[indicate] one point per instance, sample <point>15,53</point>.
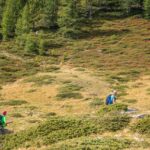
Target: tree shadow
<point>103,33</point>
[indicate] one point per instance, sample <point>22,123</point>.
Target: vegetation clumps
<point>94,143</point>
<point>69,91</point>
<point>142,126</point>
<point>96,102</point>
<point>41,80</point>
<point>57,129</point>
<point>113,108</point>
<point>13,102</point>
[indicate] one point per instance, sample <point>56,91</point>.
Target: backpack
<point>108,99</point>
<point>1,117</point>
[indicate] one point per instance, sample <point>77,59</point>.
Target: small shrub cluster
<point>69,91</point>
<point>96,102</point>
<point>34,43</point>
<point>59,128</point>
<point>113,108</point>
<point>52,69</point>
<point>17,115</point>
<point>41,80</point>
<point>130,101</point>
<point>94,143</point>
<point>142,126</point>
<point>13,102</point>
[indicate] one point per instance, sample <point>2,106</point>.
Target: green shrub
<point>60,128</point>
<point>41,80</point>
<point>93,144</point>
<point>31,46</point>
<point>113,108</point>
<point>42,47</point>
<point>69,95</point>
<point>147,8</point>
<point>17,115</point>
<point>142,126</point>
<point>14,102</point>
<point>52,69</point>
<point>96,102</point>
<point>130,101</point>
<point>69,91</point>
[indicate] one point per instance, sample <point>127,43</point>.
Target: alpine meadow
<point>74,74</point>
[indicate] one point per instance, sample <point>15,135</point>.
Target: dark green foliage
<point>142,126</point>
<point>69,91</point>
<point>113,108</point>
<point>17,115</point>
<point>22,16</point>
<point>10,16</point>
<point>94,143</point>
<point>13,102</point>
<point>31,46</point>
<point>96,102</point>
<point>147,8</point>
<point>2,5</point>
<point>57,129</point>
<point>41,80</point>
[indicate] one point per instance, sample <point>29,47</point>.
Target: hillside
<point>54,100</point>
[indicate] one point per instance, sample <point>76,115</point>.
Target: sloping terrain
<point>55,101</point>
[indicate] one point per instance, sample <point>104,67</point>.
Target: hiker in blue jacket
<point>111,98</point>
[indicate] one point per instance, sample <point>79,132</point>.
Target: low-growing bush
<point>142,126</point>
<point>60,128</point>
<point>69,91</point>
<point>113,108</point>
<point>13,102</point>
<point>69,95</point>
<point>41,80</point>
<point>17,115</point>
<point>96,102</point>
<point>93,144</point>
<point>130,101</point>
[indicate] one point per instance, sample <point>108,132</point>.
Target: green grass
<point>148,91</point>
<point>131,101</point>
<point>94,143</point>
<point>13,103</point>
<point>69,91</point>
<point>113,108</point>
<point>51,69</point>
<point>17,115</point>
<point>142,126</point>
<point>61,128</point>
<point>96,102</point>
<point>41,80</point>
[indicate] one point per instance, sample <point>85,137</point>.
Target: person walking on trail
<point>111,98</point>
<point>3,122</point>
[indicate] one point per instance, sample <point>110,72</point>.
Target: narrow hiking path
<point>44,96</point>
<point>42,99</point>
<point>12,56</point>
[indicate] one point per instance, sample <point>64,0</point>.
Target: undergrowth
<point>60,128</point>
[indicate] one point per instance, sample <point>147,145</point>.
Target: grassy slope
<point>118,50</point>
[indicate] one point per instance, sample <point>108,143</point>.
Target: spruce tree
<point>23,23</point>
<point>10,16</point>
<point>147,8</point>
<point>2,5</point>
<point>51,12</point>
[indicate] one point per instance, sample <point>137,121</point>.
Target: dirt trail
<point>44,97</point>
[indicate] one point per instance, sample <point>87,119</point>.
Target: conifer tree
<point>10,16</point>
<point>2,5</point>
<point>147,8</point>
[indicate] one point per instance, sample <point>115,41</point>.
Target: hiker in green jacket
<point>3,122</point>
